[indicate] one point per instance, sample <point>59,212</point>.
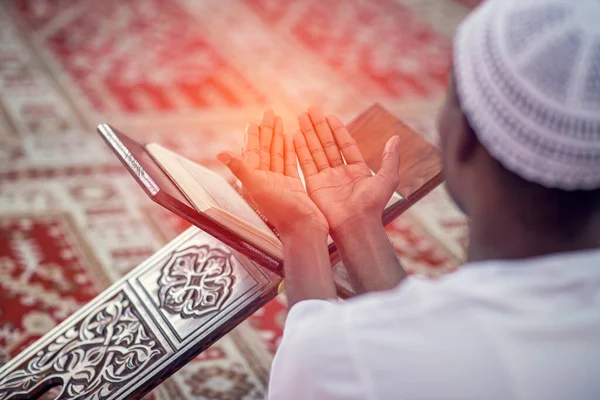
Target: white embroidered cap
<point>528,79</point>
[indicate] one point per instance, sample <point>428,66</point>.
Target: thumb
<point>236,165</point>
<point>390,162</point>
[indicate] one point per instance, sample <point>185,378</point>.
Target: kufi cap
<point>528,79</point>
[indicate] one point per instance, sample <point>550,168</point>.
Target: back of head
<point>527,76</point>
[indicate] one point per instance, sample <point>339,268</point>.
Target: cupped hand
<point>269,174</point>
<point>337,178</point>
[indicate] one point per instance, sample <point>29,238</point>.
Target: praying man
<point>520,136</point>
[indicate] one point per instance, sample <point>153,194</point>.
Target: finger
<point>310,136</point>
<point>277,146</point>
<point>238,167</point>
<point>304,157</point>
<point>345,141</point>
<point>251,149</point>
<point>291,166</point>
<point>390,163</point>
<point>266,133</point>
<point>325,135</point>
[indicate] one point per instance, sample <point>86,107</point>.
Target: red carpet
<point>188,74</point>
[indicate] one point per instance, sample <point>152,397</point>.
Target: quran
<point>209,201</point>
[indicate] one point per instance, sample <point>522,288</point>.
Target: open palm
<point>269,175</point>
<point>342,187</point>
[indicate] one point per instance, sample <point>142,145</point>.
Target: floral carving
<point>196,281</point>
<point>91,359</point>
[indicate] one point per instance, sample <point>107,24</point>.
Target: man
<point>520,134</point>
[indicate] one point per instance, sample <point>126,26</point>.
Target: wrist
<point>303,231</point>
<point>306,264</point>
<point>357,224</point>
<point>367,253</point>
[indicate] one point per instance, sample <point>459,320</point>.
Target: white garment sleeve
<point>315,359</point>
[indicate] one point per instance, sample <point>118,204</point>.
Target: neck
<point>506,238</point>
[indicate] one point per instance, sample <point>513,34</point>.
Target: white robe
<point>526,329</point>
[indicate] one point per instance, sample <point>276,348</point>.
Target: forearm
<point>306,265</point>
<point>368,255</point>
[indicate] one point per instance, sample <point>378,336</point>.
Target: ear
<point>467,143</point>
<point>457,139</point>
<point>459,148</point>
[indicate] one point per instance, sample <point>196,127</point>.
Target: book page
<point>224,196</point>
<point>206,188</point>
<point>396,197</point>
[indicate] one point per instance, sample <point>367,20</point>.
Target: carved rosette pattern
<point>91,359</point>
<point>196,281</point>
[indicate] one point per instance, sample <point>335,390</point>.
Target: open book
<point>210,202</point>
<point>213,196</point>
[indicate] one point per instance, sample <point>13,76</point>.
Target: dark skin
<point>343,198</point>
<point>510,218</point>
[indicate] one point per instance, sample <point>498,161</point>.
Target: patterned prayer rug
<point>188,74</point>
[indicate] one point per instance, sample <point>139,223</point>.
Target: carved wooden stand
<point>146,326</point>
<point>181,300</point>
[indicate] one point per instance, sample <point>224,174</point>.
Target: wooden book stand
<point>167,310</point>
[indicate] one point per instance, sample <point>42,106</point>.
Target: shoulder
<point>322,353</point>
<point>422,339</point>
<point>416,298</point>
<point>383,343</point>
